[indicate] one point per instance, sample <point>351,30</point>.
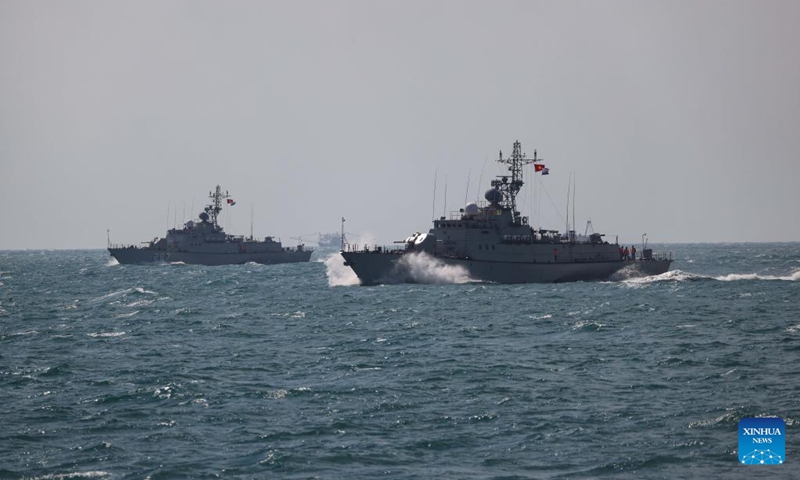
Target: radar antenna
<point>509,189</point>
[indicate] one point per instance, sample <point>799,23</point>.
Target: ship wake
<point>681,276</point>
<point>793,277</point>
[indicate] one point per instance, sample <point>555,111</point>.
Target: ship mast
<point>344,241</point>
<point>214,208</point>
<point>510,188</point>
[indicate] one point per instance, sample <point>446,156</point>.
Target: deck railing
<point>356,248</point>
<point>123,245</point>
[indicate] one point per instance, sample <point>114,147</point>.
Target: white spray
<point>423,268</point>
<point>338,274</point>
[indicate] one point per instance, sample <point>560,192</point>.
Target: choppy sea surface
<point>290,371</point>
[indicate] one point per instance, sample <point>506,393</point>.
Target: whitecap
<point>71,306</point>
<point>365,369</point>
<point>112,294</point>
<point>588,325</point>
<point>139,303</point>
<point>67,476</point>
<point>26,332</point>
<point>280,393</point>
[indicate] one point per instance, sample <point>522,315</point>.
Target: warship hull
<point>143,256</point>
<point>376,268</point>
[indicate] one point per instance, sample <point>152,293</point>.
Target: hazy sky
<point>679,118</point>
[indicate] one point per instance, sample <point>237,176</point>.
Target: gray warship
<point>204,242</point>
<point>328,240</point>
<point>492,242</point>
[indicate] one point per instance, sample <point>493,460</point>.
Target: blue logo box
<point>762,441</point>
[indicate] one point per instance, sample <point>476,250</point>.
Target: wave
<point>112,294</point>
<point>105,334</point>
<point>73,475</point>
<point>138,303</point>
<point>670,276</point>
<point>793,329</point>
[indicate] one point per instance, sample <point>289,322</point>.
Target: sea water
<point>294,371</point>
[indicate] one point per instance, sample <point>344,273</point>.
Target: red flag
<point>231,202</point>
<point>539,167</point>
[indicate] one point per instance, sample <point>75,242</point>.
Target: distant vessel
<point>493,242</point>
<point>329,240</point>
<point>204,242</point>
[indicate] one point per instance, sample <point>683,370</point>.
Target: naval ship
<point>328,240</point>
<point>204,242</point>
<point>492,242</point>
